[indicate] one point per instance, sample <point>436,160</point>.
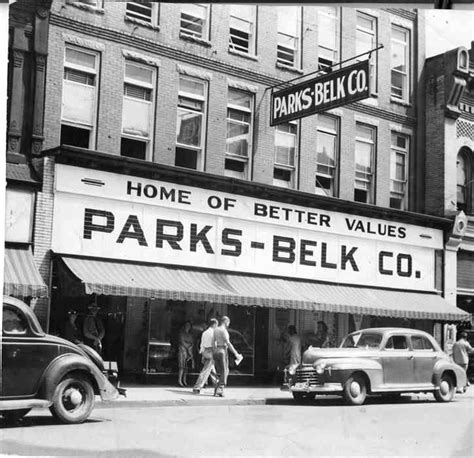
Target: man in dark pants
<point>206,350</point>
<point>221,357</point>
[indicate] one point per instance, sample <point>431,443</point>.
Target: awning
<point>159,282</point>
<point>21,277</point>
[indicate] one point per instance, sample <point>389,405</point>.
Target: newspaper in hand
<point>238,359</point>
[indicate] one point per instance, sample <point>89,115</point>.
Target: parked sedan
<point>385,361</point>
<point>40,370</point>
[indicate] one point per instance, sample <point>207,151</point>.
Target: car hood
<point>312,354</point>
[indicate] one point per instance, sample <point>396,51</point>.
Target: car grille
<point>308,375</point>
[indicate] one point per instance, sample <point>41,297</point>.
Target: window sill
<point>291,168</point>
<point>242,54</point>
<point>196,40</point>
<point>401,102</point>
<point>236,157</point>
<point>288,68</point>
<point>142,23</point>
<point>85,7</point>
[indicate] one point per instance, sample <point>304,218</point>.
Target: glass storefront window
<point>166,320</point>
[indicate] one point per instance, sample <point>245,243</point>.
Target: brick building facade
<point>173,100</point>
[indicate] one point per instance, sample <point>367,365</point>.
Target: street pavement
<point>167,421</point>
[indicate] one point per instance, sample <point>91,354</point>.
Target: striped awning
<point>159,282</point>
<point>21,277</point>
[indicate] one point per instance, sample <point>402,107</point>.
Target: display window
<point>167,332</point>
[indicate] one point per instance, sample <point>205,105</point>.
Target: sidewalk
<point>165,396</point>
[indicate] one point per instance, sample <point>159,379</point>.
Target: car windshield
<point>362,340</point>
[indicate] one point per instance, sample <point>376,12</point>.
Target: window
<point>19,211</point>
<point>190,123</point>
<point>145,12</point>
<point>137,111</point>
<point>195,20</point>
<point>243,28</point>
<point>462,185</point>
<point>421,343</point>
<point>328,47</point>
<point>397,343</point>
<point>285,154</point>
<point>326,155</point>
<point>13,322</point>
<point>364,168</point>
<point>366,39</point>
<point>93,3</point>
<point>239,128</point>
<point>79,99</point>
<point>400,63</point>
<point>289,36</point>
<point>398,171</point>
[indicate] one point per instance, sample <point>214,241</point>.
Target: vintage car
<point>377,361</point>
<point>41,370</point>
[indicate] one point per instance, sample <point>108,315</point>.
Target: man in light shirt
<point>461,350</point>
<point>221,358</point>
<point>206,350</point>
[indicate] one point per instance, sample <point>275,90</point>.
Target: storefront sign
<point>320,94</point>
<point>122,217</point>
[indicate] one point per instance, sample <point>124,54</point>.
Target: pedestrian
<point>206,349</point>
<point>93,328</point>
<point>71,331</point>
<point>293,348</point>
<point>221,358</point>
<point>185,352</point>
<point>461,350</point>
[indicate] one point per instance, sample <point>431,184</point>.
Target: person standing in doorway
<point>93,328</point>
<point>221,358</point>
<point>185,352</point>
<point>207,351</point>
<point>293,349</point>
<point>461,350</point>
<point>71,331</point>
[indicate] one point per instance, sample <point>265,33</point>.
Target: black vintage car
<point>41,370</point>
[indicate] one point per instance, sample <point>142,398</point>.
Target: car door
<point>25,355</point>
<point>397,361</point>
<point>425,357</point>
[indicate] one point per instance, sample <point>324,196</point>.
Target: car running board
<point>17,404</point>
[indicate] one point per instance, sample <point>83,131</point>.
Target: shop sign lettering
<point>332,90</point>
<point>142,220</point>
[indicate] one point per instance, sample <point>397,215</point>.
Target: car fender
<point>446,365</point>
<point>347,366</point>
<point>67,363</point>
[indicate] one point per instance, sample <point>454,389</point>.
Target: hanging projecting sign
<point>332,90</point>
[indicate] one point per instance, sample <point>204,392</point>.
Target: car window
<point>362,340</point>
<point>397,343</point>
<point>421,343</point>
<point>14,323</point>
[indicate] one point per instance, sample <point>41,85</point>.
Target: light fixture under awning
<point>21,276</point>
<point>152,281</point>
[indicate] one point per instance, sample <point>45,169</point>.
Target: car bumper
<point>306,388</point>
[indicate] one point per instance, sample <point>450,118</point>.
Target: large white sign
<point>122,217</point>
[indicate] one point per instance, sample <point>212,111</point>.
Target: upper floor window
<point>400,64</point>
<point>190,123</point>
<point>93,3</point>
<point>366,40</point>
<point>146,12</point>
<point>364,163</point>
<point>285,154</point>
<point>239,133</point>
<point>464,183</point>
<point>289,36</point>
<point>137,111</point>
<point>328,42</point>
<point>79,98</point>
<point>398,170</point>
<point>195,20</point>
<point>243,19</point>
<point>327,142</point>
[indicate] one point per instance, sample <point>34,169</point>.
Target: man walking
<point>221,357</point>
<point>207,350</point>
<point>461,350</point>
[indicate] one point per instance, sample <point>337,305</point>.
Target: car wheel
<point>303,397</point>
<point>445,393</point>
<point>12,416</point>
<point>355,390</point>
<point>73,399</point>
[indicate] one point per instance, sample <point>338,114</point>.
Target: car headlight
<point>320,368</point>
<point>292,369</point>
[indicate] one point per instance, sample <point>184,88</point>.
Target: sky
<point>446,30</point>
